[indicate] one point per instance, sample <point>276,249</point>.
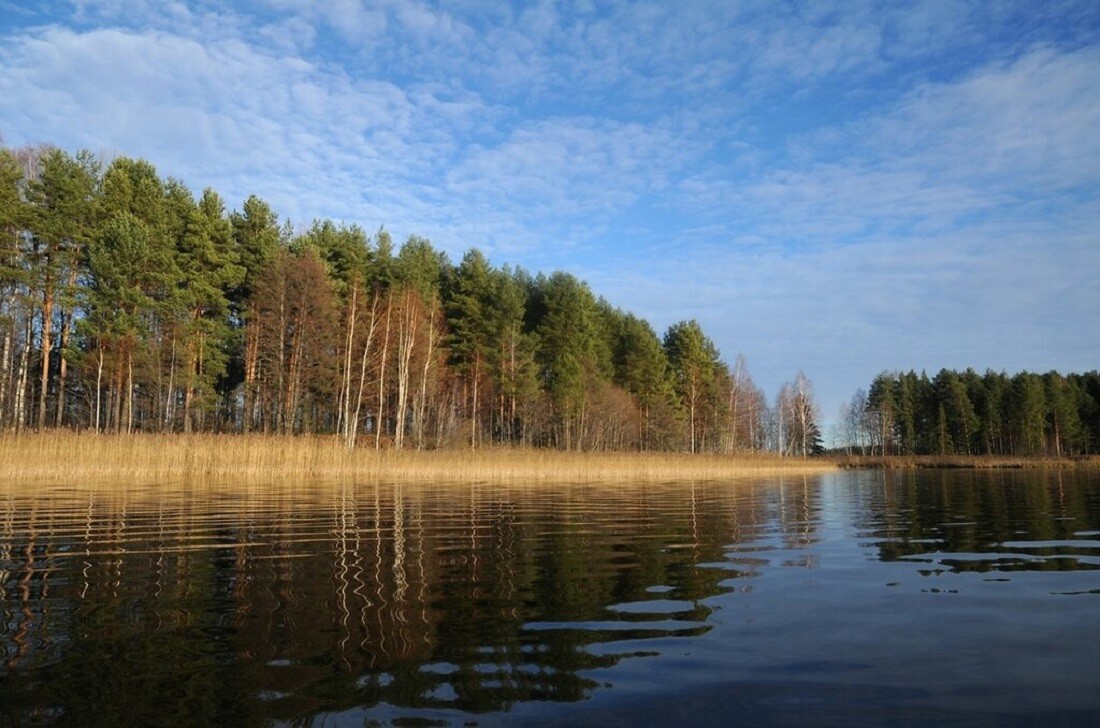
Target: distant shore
<point>962,462</point>
<point>73,456</point>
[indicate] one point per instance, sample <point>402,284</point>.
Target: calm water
<point>849,599</point>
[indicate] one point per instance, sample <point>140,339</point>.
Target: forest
<point>966,413</point>
<point>129,304</point>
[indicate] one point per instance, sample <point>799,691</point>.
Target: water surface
<point>947,598</point>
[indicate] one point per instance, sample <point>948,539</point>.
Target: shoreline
<point>964,462</point>
<point>66,455</point>
<point>56,456</point>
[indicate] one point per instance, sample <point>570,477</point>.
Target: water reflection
<point>319,602</point>
<point>1005,521</point>
<point>252,603</point>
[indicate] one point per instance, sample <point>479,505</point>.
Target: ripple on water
<point>655,606</point>
<point>310,598</point>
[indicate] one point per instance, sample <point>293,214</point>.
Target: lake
<point>852,598</point>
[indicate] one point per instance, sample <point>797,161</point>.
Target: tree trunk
<point>170,400</point>
<point>382,375</point>
<point>422,406</point>
<point>21,380</point>
<point>129,388</point>
<point>344,421</point>
<point>251,366</point>
<point>406,340</point>
<point>47,331</point>
<point>98,387</point>
<point>280,394</point>
<point>5,367</point>
<point>294,374</point>
<point>188,388</point>
<point>473,412</point>
<point>62,369</point>
<point>200,372</point>
<point>353,430</point>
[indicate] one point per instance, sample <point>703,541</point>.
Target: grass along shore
<point>77,457</point>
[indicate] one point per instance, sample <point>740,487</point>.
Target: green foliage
<point>189,316</point>
<point>470,312</point>
<point>14,219</point>
<point>256,235</point>
<point>697,372</point>
<point>344,250</point>
<point>419,267</point>
<point>641,365</point>
<point>133,186</point>
<point>129,274</point>
<point>13,209</point>
<point>571,347</point>
<point>968,413</point>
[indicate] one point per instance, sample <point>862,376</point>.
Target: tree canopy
<point>128,302</point>
<point>966,413</point>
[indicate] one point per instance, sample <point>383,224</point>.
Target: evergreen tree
<point>694,361</point>
<point>992,414</point>
<point>1065,432</point>
<point>129,273</point>
<point>512,358</point>
<point>1029,413</point>
<point>642,368</point>
<point>472,323</point>
<point>209,271</point>
<point>882,407</point>
<point>572,352</point>
<point>14,280</point>
<point>64,200</point>
<point>257,240</point>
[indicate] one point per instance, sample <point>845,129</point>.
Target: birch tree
<point>418,320</point>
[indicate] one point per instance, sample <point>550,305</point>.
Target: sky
<point>840,188</point>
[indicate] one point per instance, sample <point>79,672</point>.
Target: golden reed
<point>76,457</point>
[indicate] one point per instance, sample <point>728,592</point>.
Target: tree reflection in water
<point>210,602</point>
<point>786,599</point>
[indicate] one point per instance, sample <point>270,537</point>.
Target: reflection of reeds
<point>71,456</point>
<point>972,462</point>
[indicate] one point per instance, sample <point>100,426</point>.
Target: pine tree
<point>14,317</point>
<point>470,317</point>
<point>642,368</point>
<point>129,272</point>
<point>64,200</point>
<point>209,271</point>
<point>572,351</point>
<point>693,360</point>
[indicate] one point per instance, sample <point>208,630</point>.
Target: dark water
<point>849,599</point>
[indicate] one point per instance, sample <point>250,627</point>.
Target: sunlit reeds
<point>79,457</point>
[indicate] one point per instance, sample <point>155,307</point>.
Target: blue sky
<point>840,188</point>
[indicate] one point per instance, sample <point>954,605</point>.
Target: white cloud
<point>568,167</point>
<point>956,228</point>
<point>840,187</point>
<point>1029,122</point>
<point>225,113</point>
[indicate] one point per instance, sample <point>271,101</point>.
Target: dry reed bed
<point>72,457</point>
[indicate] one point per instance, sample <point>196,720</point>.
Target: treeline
<point>126,303</point>
<point>966,413</point>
